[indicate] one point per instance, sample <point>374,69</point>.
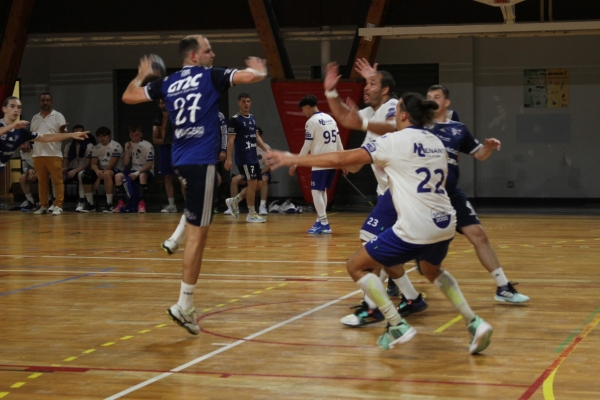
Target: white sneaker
<point>79,207</point>
<point>51,208</point>
<point>232,207</point>
<point>262,210</point>
<point>187,320</point>
<point>255,218</point>
<point>169,209</point>
<point>41,210</point>
<point>228,212</point>
<point>170,246</point>
<point>57,211</point>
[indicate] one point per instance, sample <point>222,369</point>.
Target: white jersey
<point>105,153</point>
<point>416,163</point>
<point>141,153</point>
<point>43,125</point>
<point>385,111</point>
<point>323,135</point>
<point>26,161</point>
<point>77,162</point>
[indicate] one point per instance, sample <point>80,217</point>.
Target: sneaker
<point>398,334</point>
<point>120,207</point>
<point>186,320</point>
<point>362,316</point>
<point>51,208</point>
<point>27,206</point>
<point>481,335</point>
<point>228,212</point>
<point>262,210</point>
<point>408,307</point>
<point>319,228</point>
<point>510,295</point>
<point>41,210</point>
<point>88,208</point>
<point>19,207</point>
<point>255,218</point>
<point>109,208</point>
<point>170,246</point>
<point>142,207</point>
<point>57,210</point>
<point>392,289</point>
<point>80,206</point>
<point>232,206</point>
<point>169,209</point>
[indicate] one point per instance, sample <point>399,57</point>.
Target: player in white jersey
<point>140,153</point>
<point>322,136</point>
<point>417,165</point>
<point>107,161</point>
<point>377,119</point>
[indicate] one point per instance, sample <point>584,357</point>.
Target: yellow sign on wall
<point>546,88</point>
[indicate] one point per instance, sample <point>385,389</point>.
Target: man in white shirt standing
<point>322,136</point>
<point>47,157</point>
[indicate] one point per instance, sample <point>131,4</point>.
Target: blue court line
<point>53,283</point>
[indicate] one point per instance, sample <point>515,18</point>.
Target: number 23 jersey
<point>191,97</point>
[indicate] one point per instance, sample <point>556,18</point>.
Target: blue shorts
<point>322,179</point>
<point>200,183</point>
<point>389,250</point>
<point>250,171</point>
<point>164,160</point>
<point>149,173</point>
<point>465,213</point>
<point>382,217</point>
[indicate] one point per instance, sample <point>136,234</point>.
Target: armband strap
<point>256,72</point>
<point>137,173</point>
<point>331,94</point>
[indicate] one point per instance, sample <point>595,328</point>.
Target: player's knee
<point>476,234</point>
<point>88,177</point>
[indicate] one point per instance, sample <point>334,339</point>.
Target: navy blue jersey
<point>191,97</point>
<point>10,141</point>
<point>244,129</point>
<point>457,139</point>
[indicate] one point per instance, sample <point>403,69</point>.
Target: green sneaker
<point>481,335</point>
<point>396,334</point>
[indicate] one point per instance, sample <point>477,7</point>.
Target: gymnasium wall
<point>484,75</point>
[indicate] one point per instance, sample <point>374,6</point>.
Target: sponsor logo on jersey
<point>192,131</point>
<point>371,147</point>
<point>185,83</point>
<point>441,218</point>
<point>422,151</point>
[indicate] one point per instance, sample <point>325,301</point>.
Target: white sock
<point>238,198</point>
<point>186,296</point>
<point>448,285</point>
<point>263,203</point>
<point>179,233</point>
<point>499,277</point>
<point>320,205</point>
<point>30,198</point>
<point>109,198</point>
<point>406,287</point>
<point>372,286</point>
<point>251,210</point>
<point>80,186</point>
<point>383,275</point>
<point>171,201</point>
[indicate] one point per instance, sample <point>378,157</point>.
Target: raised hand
<point>363,67</point>
<point>332,76</point>
<point>257,65</point>
<point>493,144</point>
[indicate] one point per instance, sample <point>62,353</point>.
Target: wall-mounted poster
<point>546,88</point>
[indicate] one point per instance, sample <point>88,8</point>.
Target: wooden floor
<point>83,300</point>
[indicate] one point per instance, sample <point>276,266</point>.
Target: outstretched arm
<point>336,159</point>
<point>57,137</point>
<point>134,93</point>
<point>15,125</point>
<point>256,71</point>
<point>486,150</point>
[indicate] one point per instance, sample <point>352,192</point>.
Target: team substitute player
<point>416,163</point>
<point>322,136</point>
<point>191,97</point>
<point>242,135</point>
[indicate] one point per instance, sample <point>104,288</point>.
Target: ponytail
<point>421,112</point>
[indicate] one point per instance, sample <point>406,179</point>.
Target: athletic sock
<point>372,286</point>
<point>179,233</point>
<point>89,197</point>
<point>30,198</point>
<point>186,296</point>
<point>449,286</point>
<point>499,277</point>
<point>263,203</point>
<point>109,198</point>
<point>406,287</point>
<point>171,201</point>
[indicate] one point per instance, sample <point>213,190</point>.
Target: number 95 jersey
<point>191,97</point>
<point>322,132</point>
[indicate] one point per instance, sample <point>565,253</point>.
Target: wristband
<point>256,72</point>
<point>365,125</point>
<point>331,94</point>
<point>137,173</point>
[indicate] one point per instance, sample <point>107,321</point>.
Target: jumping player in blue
<point>191,97</point>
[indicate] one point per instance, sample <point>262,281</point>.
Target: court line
<point>223,349</point>
<point>548,374</point>
<point>53,283</point>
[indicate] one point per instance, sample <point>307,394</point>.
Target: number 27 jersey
<point>191,97</point>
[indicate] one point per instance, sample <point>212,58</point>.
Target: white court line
<point>176,259</point>
<point>223,349</point>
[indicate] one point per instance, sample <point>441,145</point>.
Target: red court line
<point>30,368</point>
